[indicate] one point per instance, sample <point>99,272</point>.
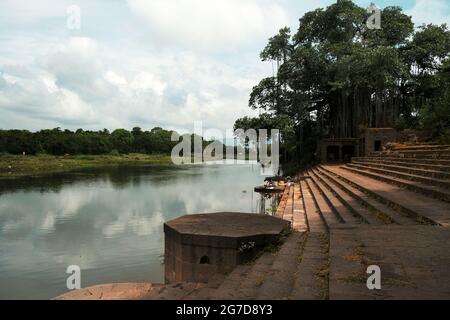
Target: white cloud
<point>430,11</point>
<point>82,83</point>
<point>28,11</point>
<point>52,77</point>
<point>212,25</point>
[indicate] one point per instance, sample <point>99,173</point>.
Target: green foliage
<point>122,140</point>
<point>435,115</point>
<point>59,142</point>
<point>336,77</point>
<point>115,153</point>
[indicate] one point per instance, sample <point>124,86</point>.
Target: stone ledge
<point>112,291</point>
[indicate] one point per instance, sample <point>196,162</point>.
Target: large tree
<point>336,76</point>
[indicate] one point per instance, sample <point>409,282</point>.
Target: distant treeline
<point>60,142</point>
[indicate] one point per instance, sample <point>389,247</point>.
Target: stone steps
<point>271,276</point>
<point>440,155</point>
<point>394,178</point>
<point>312,274</point>
<point>288,213</point>
<point>178,291</point>
<point>329,202</point>
<point>410,203</point>
<point>206,290</point>
<point>282,206</point>
<point>275,275</point>
<point>422,148</point>
<point>300,222</point>
<point>327,211</point>
<point>315,219</point>
<point>412,170</point>
<point>278,282</point>
<point>353,203</point>
<point>336,203</point>
<point>433,165</point>
<point>244,280</point>
<point>376,207</point>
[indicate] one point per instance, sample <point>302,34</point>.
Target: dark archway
<point>205,260</point>
<point>332,153</point>
<point>377,145</point>
<point>348,152</point>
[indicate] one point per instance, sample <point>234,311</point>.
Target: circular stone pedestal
<point>199,246</point>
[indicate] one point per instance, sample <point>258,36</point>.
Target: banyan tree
<point>337,76</point>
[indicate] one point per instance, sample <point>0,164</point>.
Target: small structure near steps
<point>199,246</point>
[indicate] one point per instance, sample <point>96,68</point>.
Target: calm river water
<point>107,221</point>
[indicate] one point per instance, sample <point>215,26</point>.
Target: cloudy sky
<point>145,62</point>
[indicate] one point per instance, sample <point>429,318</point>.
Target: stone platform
<point>200,246</point>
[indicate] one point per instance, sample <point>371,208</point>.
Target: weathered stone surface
<point>199,246</point>
<point>114,291</point>
<point>414,262</point>
<point>227,225</point>
<point>406,201</point>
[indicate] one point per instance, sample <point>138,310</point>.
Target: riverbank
<point>34,165</point>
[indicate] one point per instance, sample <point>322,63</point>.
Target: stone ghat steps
<point>282,206</point>
<point>422,147</point>
<point>299,217</point>
<point>297,270</point>
<point>316,219</point>
<point>335,201</point>
<point>427,186</point>
<point>409,169</point>
<point>176,291</point>
<point>288,212</point>
<point>367,205</point>
<point>433,178</point>
<point>361,206</point>
<point>244,281</point>
<point>328,200</point>
<point>426,164</point>
<point>418,206</point>
<point>423,154</point>
<point>320,203</point>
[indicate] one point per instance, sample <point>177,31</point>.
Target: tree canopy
<point>336,76</point>
<point>61,142</point>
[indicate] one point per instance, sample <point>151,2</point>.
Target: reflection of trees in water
<point>119,177</point>
<point>122,177</point>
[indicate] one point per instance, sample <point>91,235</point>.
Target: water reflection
<point>109,222</point>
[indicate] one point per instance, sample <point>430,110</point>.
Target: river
<point>107,221</point>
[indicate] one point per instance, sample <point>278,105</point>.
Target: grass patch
<point>41,164</point>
